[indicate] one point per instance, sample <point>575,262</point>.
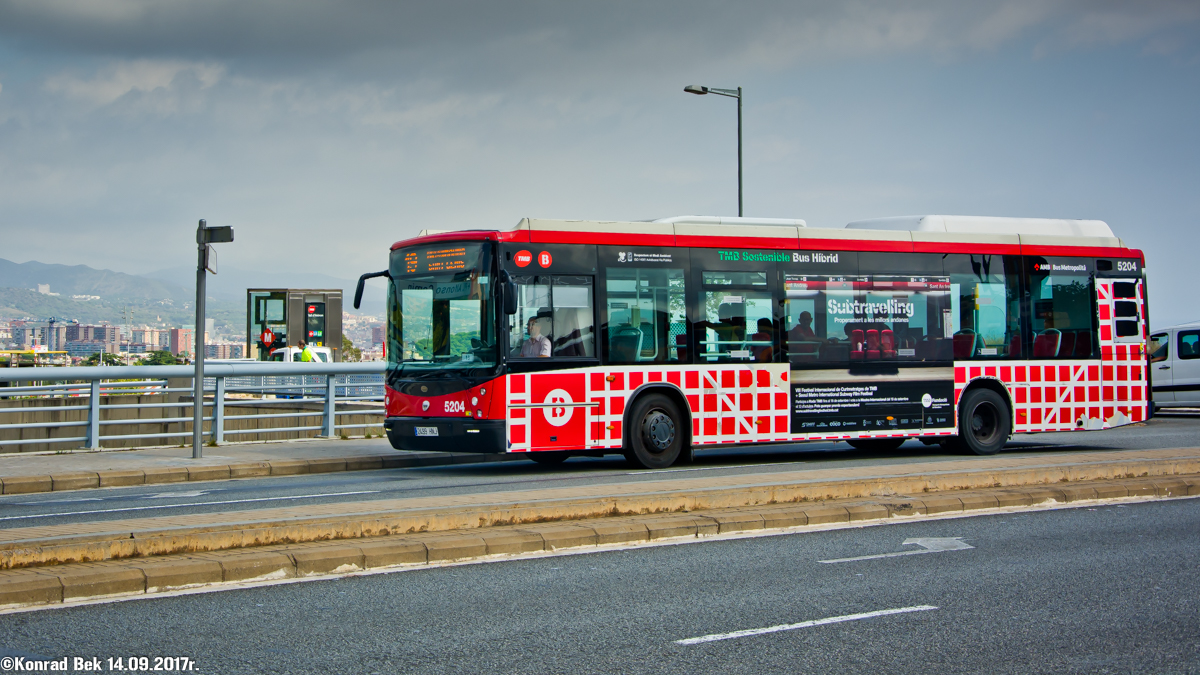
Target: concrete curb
<point>84,480</point>
<point>43,586</point>
<point>54,545</point>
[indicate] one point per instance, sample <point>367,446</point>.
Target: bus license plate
<point>427,431</point>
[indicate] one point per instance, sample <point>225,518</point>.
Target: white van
<point>1175,366</point>
<point>292,354</point>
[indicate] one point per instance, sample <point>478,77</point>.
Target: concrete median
<point>53,585</point>
<point>933,488</point>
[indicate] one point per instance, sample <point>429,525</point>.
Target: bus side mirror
<point>362,282</point>
<point>508,292</point>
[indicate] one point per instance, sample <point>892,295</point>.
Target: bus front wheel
<point>984,423</point>
<point>656,434</point>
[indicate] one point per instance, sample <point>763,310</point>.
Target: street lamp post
<point>731,93</point>
<point>206,262</point>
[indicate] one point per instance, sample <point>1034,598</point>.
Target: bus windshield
<point>441,313</point>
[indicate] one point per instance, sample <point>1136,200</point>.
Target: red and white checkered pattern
<point>1077,394</point>
<point>728,403</point>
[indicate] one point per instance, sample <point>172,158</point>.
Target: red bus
<point>650,339</point>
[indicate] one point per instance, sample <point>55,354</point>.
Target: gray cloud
<point>324,131</point>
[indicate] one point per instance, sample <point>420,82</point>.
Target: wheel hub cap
<point>660,430</point>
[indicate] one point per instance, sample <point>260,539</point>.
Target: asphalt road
<point>1110,589</point>
<point>247,494</point>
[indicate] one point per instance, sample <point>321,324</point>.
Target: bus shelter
<point>281,317</point>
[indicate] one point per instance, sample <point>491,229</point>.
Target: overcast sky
<point>324,131</point>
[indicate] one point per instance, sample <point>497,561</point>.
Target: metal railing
<point>226,385</point>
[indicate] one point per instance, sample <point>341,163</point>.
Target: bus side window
<point>1063,314</point>
<point>553,319</point>
<point>645,319</point>
<point>738,323</point>
<point>572,323</point>
<point>985,306</point>
<point>530,330</point>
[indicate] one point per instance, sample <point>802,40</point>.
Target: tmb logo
<point>522,258</point>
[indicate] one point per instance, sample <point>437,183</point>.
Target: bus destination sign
<point>450,259</point>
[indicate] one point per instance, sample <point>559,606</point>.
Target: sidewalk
<point>25,473</point>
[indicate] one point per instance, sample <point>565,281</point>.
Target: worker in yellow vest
<point>307,354</point>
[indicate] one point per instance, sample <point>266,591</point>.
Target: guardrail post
<point>330,427</point>
<point>218,420</point>
<point>94,415</point>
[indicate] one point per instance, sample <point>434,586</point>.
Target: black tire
<point>655,436</point>
<point>984,423</point>
<point>549,458</point>
<point>877,444</point>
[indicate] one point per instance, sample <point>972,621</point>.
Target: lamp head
<point>696,89</point>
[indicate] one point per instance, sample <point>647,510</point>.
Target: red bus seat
<point>964,344</point>
<point>1083,345</point>
<point>1066,345</point>
<point>1045,345</point>
<point>856,344</point>
<point>887,343</point>
<point>873,344</point>
<point>681,347</point>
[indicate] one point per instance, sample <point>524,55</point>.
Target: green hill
<point>21,303</point>
<point>68,280</point>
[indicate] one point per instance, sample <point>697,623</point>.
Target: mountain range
<point>167,293</point>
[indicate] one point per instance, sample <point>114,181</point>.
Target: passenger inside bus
<point>803,328</point>
<point>762,352</point>
<point>731,326</point>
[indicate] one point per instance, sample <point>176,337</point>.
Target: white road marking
<point>172,495</point>
<point>929,545</point>
<point>178,506</point>
<point>62,501</point>
<point>803,624</point>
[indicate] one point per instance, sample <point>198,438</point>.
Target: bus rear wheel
<point>877,444</point>
<point>656,434</point>
<point>984,423</point>
<point>549,458</point>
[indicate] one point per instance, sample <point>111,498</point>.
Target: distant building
<point>181,341</point>
<point>85,348</point>
<point>87,333</point>
<point>145,336</point>
<point>23,336</point>
<point>225,350</point>
<point>54,337</point>
<point>378,333</point>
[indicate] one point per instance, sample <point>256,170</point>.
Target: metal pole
<point>198,342</point>
<point>94,415</point>
<point>739,152</point>
<point>330,421</point>
<point>218,417</point>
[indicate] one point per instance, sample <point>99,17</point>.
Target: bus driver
<point>537,344</point>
